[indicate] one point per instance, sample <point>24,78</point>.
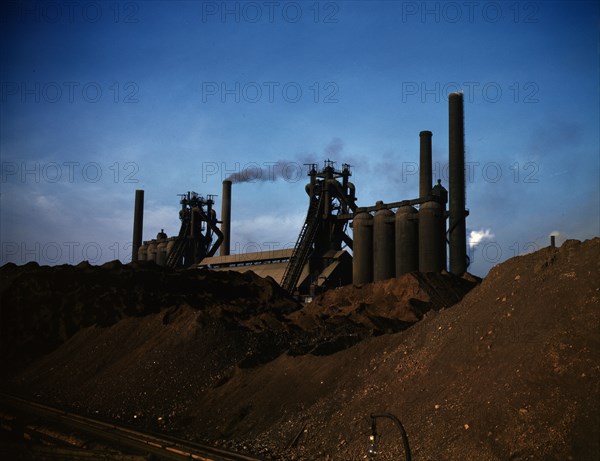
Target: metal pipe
<point>226,218</point>
<point>425,174</point>
<point>374,437</point>
<point>457,214</point>
<point>138,224</point>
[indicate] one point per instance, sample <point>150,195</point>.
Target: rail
<point>159,446</point>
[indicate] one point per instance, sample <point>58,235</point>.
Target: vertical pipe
<point>193,222</point>
<point>327,188</point>
<point>439,191</point>
<point>138,223</point>
<point>457,225</point>
<point>425,173</point>
<point>552,241</point>
<point>226,218</point>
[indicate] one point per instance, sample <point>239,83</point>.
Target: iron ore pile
<point>504,368</point>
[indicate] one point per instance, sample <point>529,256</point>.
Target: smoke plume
<point>477,236</point>
<point>288,170</point>
<point>334,148</point>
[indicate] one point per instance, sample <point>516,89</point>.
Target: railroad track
<point>157,446</point>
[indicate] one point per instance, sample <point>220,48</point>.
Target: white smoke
<point>560,237</point>
<point>478,236</point>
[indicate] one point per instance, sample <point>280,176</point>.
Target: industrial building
<point>387,239</point>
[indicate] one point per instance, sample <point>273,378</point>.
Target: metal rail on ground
<point>162,447</point>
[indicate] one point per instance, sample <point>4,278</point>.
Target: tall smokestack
<point>138,223</point>
<point>226,218</point>
<point>457,224</point>
<point>425,164</point>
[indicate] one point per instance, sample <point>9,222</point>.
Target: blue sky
<point>101,98</point>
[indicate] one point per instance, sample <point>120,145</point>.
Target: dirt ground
<point>510,372</point>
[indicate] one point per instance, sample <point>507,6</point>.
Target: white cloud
<point>477,236</point>
<point>47,204</point>
<point>266,231</point>
<point>160,217</point>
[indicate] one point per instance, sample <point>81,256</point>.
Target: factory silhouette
<point>426,234</point>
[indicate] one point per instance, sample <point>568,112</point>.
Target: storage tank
<point>161,253</point>
<point>362,248</point>
<point>431,236</point>
<point>384,254</point>
<point>143,252</point>
<point>151,254</point>
<point>171,245</point>
<point>407,240</point>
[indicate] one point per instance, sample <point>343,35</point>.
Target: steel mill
<point>426,234</point>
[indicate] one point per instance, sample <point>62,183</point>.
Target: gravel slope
<point>510,372</point>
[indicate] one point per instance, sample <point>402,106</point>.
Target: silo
<point>142,252</point>
<point>170,245</point>
<point>362,248</point>
<point>161,253</point>
<point>430,237</point>
<point>151,254</point>
<point>407,240</point>
<point>384,254</point>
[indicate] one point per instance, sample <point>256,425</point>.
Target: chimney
<point>425,164</point>
<point>226,218</point>
<point>457,214</point>
<point>138,223</point>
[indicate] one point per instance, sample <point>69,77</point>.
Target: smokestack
<point>425,164</point>
<point>138,223</point>
<point>226,218</point>
<point>457,224</point>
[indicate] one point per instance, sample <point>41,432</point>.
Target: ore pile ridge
<point>511,371</point>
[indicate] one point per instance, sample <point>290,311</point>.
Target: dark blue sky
<point>101,98</point>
